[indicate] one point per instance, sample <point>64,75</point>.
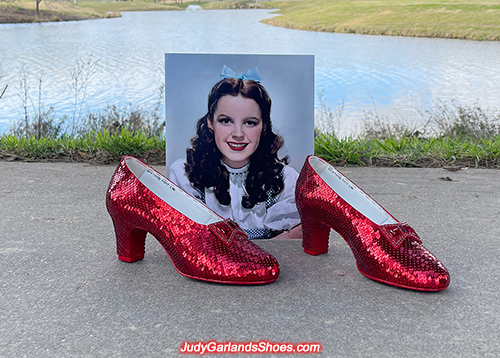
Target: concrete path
<point>64,293</point>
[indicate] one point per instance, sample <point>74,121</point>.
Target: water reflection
<point>398,77</point>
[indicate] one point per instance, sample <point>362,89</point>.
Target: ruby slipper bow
<point>200,244</point>
<point>385,249</point>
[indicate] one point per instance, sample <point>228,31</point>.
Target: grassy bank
<point>105,148</point>
<point>454,136</point>
<point>460,19</point>
<point>97,147</point>
<point>24,11</point>
<point>410,152</point>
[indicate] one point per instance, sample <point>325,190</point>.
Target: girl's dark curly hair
<point>203,166</point>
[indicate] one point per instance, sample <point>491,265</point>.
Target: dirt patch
<point>151,157</point>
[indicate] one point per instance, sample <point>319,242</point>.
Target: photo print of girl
<point>238,161</point>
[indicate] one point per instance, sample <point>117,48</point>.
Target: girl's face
<point>237,126</point>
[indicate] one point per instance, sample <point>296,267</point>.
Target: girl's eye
<point>224,120</point>
<point>252,123</point>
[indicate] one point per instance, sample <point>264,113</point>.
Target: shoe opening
<point>351,193</point>
<point>172,194</point>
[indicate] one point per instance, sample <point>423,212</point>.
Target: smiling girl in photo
<point>233,164</point>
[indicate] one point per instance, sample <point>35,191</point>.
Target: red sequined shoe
<point>385,249</point>
<point>199,242</point>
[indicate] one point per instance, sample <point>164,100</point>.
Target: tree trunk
<point>37,8</point>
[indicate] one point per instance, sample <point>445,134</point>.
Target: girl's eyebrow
<point>245,119</point>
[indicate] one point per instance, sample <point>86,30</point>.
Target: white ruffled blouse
<point>261,221</point>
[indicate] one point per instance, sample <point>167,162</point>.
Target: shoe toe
<point>421,270</point>
<point>410,266</point>
<point>428,273</point>
<point>241,262</point>
<point>253,265</point>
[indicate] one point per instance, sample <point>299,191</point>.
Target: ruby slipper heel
<point>131,241</point>
<point>200,244</point>
<point>385,249</point>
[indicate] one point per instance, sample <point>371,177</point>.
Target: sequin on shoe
<point>390,253</point>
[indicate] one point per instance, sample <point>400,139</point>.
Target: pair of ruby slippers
<point>204,246</point>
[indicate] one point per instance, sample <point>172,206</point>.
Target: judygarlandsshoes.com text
<point>261,347</point>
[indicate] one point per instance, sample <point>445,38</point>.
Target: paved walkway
<point>64,293</point>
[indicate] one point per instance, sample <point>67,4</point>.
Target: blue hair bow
<point>251,74</point>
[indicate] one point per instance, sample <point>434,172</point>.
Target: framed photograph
<point>288,79</point>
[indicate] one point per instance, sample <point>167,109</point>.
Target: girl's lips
<point>237,146</point>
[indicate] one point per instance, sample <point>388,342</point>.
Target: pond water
<point>121,61</point>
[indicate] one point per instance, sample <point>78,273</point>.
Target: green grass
<point>97,147</point>
<point>103,148</point>
<point>410,152</point>
<point>471,19</point>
